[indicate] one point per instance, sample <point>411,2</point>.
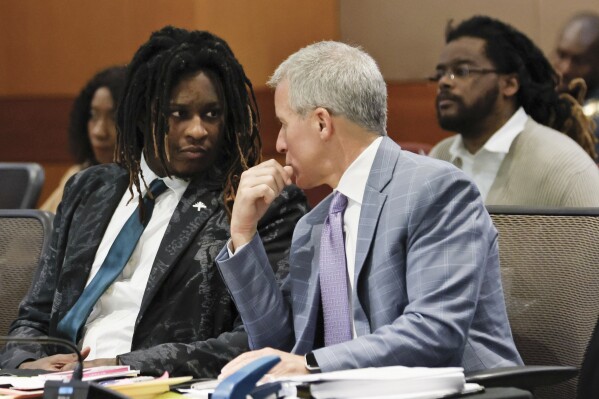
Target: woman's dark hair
<point>113,79</point>
<point>157,67</point>
<point>511,52</point>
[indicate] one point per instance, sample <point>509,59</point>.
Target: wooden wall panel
<point>34,127</point>
<point>406,37</point>
<point>411,114</point>
<point>53,47</point>
<point>262,33</point>
<point>49,49</point>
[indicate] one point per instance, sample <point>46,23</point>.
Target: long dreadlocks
<point>157,67</point>
<point>511,51</point>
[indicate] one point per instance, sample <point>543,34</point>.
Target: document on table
<point>385,382</point>
<point>89,374</point>
<point>381,382</point>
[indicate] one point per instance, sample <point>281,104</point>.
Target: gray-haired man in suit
<point>187,122</point>
<point>422,267</point>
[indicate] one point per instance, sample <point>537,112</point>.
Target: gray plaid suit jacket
<point>427,288</point>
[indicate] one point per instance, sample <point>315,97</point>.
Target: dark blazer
<point>187,321</point>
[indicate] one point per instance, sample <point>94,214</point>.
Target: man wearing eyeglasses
<point>498,91</point>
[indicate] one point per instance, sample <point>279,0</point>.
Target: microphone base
<point>78,390</point>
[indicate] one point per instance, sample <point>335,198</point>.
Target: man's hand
<point>289,365</point>
<point>92,363</point>
<point>258,188</point>
<point>54,362</point>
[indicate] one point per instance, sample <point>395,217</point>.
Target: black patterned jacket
<point>187,324</point>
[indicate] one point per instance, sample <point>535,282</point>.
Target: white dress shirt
<point>352,184</point>
<point>109,328</point>
<point>483,166</point>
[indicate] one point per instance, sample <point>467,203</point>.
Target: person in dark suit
<point>418,280</point>
<point>188,118</point>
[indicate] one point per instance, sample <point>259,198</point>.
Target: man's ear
<point>510,85</point>
<point>324,119</point>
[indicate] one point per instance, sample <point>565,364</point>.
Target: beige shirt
<point>543,168</point>
<point>483,166</point>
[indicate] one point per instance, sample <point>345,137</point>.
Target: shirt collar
<point>353,181</point>
<point>176,184</point>
<point>500,141</point>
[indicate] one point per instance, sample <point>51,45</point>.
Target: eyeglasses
<point>459,72</point>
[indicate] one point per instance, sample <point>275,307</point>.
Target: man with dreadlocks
<point>498,91</point>
<point>187,129</point>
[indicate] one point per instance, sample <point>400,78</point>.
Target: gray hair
<point>343,79</point>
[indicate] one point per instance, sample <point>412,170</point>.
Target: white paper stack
<point>385,382</point>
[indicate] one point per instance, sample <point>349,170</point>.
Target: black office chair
<point>550,274</point>
<point>24,236</point>
<point>20,185</point>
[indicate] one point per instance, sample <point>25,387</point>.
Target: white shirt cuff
<point>230,250</point>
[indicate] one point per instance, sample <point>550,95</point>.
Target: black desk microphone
<point>75,388</point>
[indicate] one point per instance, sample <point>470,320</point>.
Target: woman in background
<point>92,129</point>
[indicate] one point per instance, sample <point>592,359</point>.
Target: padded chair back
<point>550,274</point>
<point>20,185</point>
<point>24,236</point>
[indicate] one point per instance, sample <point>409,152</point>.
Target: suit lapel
<point>183,226</point>
<point>372,205</point>
<point>305,263</point>
<point>89,222</point>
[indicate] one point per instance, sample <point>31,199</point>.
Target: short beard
<point>467,119</point>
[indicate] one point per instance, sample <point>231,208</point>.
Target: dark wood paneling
<point>269,125</point>
<point>411,119</point>
<point>411,116</point>
<point>34,128</point>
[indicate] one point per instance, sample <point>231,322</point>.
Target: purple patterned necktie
<point>333,275</point>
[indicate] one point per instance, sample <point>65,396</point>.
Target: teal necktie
<point>118,256</point>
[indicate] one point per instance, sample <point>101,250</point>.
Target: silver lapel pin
<point>199,205</point>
